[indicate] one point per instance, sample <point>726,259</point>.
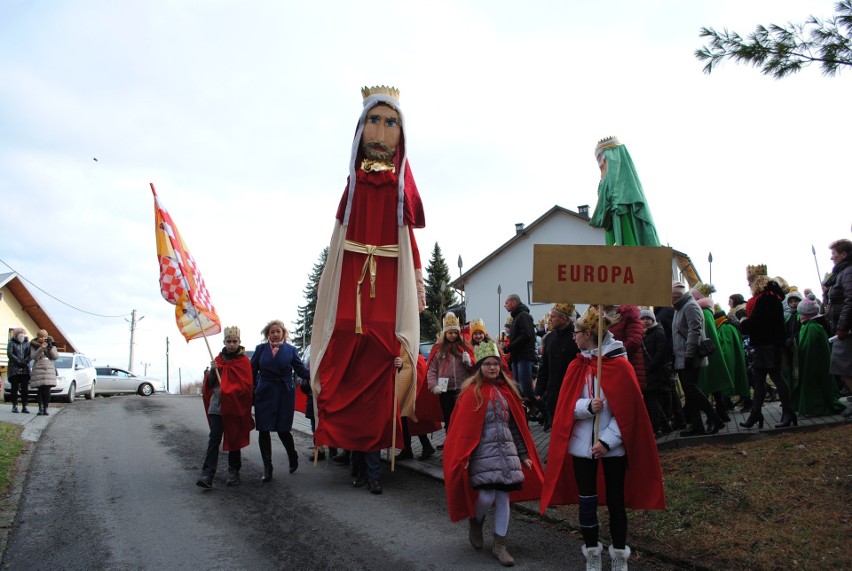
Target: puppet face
<point>603,169</point>
<point>382,132</point>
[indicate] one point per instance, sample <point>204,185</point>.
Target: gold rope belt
<point>371,252</point>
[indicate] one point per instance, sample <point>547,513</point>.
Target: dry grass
<point>778,502</point>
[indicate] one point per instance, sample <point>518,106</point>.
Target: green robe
<point>731,347</point>
<point>715,376</point>
<point>816,394</point>
<point>621,209</point>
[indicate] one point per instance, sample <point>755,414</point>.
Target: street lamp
<point>499,304</point>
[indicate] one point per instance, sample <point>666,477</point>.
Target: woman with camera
<point>19,353</point>
<point>43,376</point>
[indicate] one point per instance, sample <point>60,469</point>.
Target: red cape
<point>643,483</point>
<point>427,406</point>
<point>461,442</point>
<point>235,396</point>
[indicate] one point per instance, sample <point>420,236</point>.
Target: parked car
<point>74,375</point>
<point>115,381</point>
<point>426,348</point>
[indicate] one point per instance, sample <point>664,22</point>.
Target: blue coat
<point>274,387</point>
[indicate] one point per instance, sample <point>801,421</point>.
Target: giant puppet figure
<point>621,209</point>
<point>371,290</point>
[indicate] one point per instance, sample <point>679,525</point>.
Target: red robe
<point>357,375</point>
<point>236,391</point>
<point>464,438</point>
<point>643,483</point>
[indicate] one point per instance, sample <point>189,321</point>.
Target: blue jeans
<point>522,372</point>
<point>367,463</point>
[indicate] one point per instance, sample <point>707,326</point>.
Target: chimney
<point>519,227</point>
<point>583,210</point>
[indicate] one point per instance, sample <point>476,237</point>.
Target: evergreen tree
<point>780,51</point>
<point>305,321</point>
<point>439,295</point>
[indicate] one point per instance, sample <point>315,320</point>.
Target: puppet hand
<point>466,358</point>
<point>421,290</point>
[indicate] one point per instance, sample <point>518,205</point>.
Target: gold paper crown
<point>590,320</point>
<point>607,143</point>
<point>754,271</point>
<point>451,322</point>
<point>705,289</point>
<point>232,330</point>
<point>566,309</point>
<point>485,349</point>
<point>380,90</point>
<point>478,325</point>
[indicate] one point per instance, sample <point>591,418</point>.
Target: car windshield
<point>63,362</point>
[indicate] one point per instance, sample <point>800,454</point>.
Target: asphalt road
<point>111,485</point>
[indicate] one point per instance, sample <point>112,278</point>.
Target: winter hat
<point>793,294</point>
<point>808,308</point>
<point>484,350</point>
<point>649,314</point>
<point>678,286</point>
<point>478,325</point>
<point>451,322</point>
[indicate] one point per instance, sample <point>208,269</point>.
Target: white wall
<point>512,269</point>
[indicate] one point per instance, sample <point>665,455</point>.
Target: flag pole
<point>819,275</point>
<point>600,370</point>
<point>393,429</point>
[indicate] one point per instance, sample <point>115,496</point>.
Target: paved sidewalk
<point>33,424</point>
<point>732,432</point>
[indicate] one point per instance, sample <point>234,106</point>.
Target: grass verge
<point>778,502</point>
<point>10,448</point>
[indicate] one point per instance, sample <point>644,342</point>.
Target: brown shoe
<point>501,551</point>
<point>475,533</point>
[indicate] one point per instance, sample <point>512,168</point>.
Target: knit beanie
<point>647,313</point>
<point>808,308</point>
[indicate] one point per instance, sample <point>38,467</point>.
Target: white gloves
<point>466,358</point>
<point>436,390</point>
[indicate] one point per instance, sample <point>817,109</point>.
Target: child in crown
<point>489,456</point>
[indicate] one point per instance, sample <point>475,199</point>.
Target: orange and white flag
<point>180,281</point>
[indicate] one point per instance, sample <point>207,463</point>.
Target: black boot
<point>787,418</point>
<point>754,417</point>
<point>233,477</point>
<point>428,450</point>
<point>267,469</point>
<point>294,460</point>
<point>205,481</point>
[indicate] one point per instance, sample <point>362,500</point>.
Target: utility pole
<point>462,285</point>
<point>133,322</point>
<point>167,365</point>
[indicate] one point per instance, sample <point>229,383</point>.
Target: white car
<point>74,375</point>
<point>115,381</point>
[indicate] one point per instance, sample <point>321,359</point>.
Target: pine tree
<point>439,295</point>
<point>305,321</point>
<point>783,50</point>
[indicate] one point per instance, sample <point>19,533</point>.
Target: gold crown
<point>754,271</point>
<point>451,322</point>
<point>232,330</point>
<point>705,289</point>
<point>478,325</point>
<point>566,309</point>
<point>380,90</point>
<point>590,320</point>
<point>485,349</point>
<point>606,143</point>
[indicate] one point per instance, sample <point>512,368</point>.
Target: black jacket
<point>765,325</point>
<point>521,335</point>
<point>19,357</point>
<point>657,358</point>
<point>559,349</point>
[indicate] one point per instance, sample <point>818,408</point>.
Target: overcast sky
<point>242,115</point>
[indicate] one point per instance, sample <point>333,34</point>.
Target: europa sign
<point>610,275</point>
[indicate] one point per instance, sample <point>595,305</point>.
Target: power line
<point>56,298</point>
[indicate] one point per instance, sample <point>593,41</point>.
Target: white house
<point>509,268</point>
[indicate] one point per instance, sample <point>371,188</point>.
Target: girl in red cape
<point>489,455</point>
<point>624,434</point>
<point>227,402</point>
